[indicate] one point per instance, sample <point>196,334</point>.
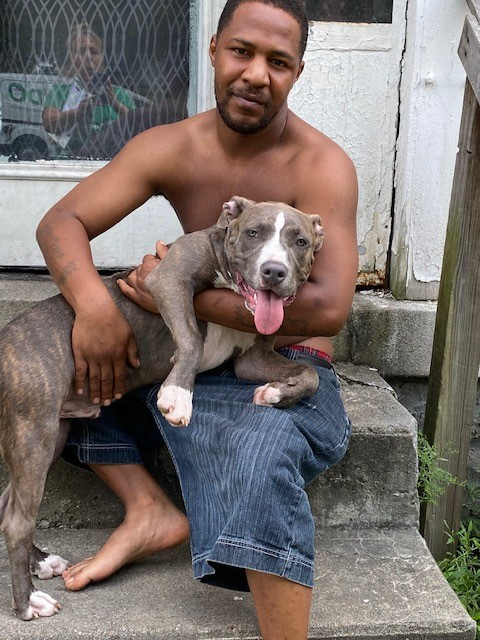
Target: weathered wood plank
<point>456,349</point>
<point>474,6</point>
<point>469,52</point>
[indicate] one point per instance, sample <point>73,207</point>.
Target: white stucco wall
<point>349,90</point>
<point>28,191</point>
<point>358,78</point>
<point>430,108</point>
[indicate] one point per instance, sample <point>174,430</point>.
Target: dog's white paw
<point>50,567</point>
<point>41,605</point>
<point>267,395</point>
<point>175,404</point>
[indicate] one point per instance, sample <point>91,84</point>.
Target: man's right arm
<point>101,337</point>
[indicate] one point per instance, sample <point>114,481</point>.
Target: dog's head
<point>270,249</point>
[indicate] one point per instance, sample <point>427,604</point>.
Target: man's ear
<point>300,69</point>
<point>212,49</point>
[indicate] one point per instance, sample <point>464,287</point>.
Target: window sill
<point>68,170</point>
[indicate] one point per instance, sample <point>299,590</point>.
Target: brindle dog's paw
<point>268,395</point>
<point>40,604</point>
<point>50,567</point>
<point>175,404</point>
<point>278,394</point>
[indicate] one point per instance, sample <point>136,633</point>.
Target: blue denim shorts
<point>242,468</point>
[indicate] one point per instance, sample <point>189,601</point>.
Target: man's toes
<point>76,577</point>
<point>77,582</point>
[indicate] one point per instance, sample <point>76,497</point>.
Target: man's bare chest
<point>200,203</point>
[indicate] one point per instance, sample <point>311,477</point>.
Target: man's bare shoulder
<point>162,153</point>
<point>315,146</point>
<point>165,139</point>
<point>323,170</point>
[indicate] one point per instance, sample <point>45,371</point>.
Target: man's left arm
<point>324,301</point>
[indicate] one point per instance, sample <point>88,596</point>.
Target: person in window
<point>80,107</point>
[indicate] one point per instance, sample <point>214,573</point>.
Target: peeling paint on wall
<point>431,102</point>
<point>350,91</point>
<point>371,278</point>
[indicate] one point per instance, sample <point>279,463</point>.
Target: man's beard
<point>243,127</point>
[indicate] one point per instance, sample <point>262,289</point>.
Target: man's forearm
<point>224,307</point>
<point>66,249</point>
<point>302,318</point>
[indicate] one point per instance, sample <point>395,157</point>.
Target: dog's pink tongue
<point>268,315</point>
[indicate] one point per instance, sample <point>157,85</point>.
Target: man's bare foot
<point>141,534</point>
<point>152,523</point>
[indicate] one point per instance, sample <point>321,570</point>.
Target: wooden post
<point>456,349</point>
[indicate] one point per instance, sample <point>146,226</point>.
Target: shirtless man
<point>251,145</point>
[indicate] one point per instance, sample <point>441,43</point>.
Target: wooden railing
<point>456,347</point>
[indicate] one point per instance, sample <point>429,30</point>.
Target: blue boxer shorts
<point>242,467</point>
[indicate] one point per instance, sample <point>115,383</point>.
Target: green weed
<point>462,568</point>
<point>433,480</point>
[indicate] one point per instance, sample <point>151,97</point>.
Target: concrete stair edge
<point>370,584</point>
<point>374,485</point>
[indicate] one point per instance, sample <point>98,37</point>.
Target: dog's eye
<point>251,233</point>
<point>301,242</point>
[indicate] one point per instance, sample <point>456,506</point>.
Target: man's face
<point>257,61</point>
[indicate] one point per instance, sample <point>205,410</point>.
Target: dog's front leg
<point>174,398</point>
<point>173,290</point>
<point>286,381</point>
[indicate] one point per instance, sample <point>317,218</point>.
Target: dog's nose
<point>273,272</point>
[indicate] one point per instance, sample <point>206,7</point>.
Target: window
<point>350,10</point>
<point>125,65</point>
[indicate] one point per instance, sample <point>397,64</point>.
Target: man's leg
<point>152,523</point>
<point>282,606</point>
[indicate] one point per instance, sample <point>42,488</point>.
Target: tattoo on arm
<point>242,316</point>
<point>69,268</point>
<point>45,233</point>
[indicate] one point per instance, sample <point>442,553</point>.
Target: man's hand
<point>103,344</point>
<point>134,286</point>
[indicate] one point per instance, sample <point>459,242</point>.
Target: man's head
<point>295,8</point>
<point>257,56</point>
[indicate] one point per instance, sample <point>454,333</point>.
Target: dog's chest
<point>221,343</point>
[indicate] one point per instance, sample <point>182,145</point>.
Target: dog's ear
<point>318,231</point>
<point>232,209</point>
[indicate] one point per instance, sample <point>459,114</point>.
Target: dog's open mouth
<point>266,306</point>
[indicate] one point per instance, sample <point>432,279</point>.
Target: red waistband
<point>310,350</point>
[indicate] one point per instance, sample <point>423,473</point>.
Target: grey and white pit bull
<point>263,250</point>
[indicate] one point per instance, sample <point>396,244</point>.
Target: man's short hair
<point>295,8</point>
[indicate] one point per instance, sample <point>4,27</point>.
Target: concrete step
<point>370,584</point>
<point>374,486</point>
<point>375,579</point>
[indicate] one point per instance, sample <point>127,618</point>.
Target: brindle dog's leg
<point>288,382</point>
<point>20,504</point>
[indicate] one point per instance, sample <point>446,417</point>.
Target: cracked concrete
<point>374,578</point>
<point>370,584</point>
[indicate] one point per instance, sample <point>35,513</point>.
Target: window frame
<point>204,16</point>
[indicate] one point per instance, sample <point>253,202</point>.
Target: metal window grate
<point>145,42</point>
